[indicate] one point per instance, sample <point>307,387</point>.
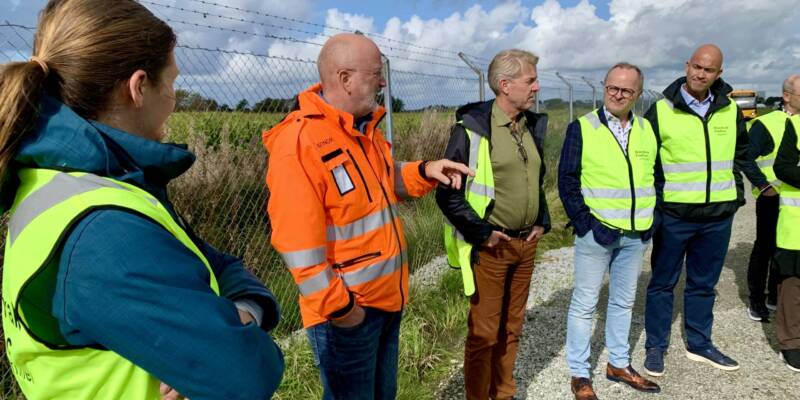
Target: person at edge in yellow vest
<point>496,220</point>
<point>702,151</point>
<point>107,293</point>
<point>605,181</point>
<point>787,255</point>
<point>765,134</point>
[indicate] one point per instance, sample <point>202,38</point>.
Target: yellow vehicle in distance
<point>746,100</point>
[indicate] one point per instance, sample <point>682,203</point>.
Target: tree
<point>192,101</point>
<point>242,105</point>
<point>773,101</point>
<point>398,104</point>
<point>273,105</point>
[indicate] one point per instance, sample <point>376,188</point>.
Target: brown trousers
<point>497,311</point>
<point>788,316</point>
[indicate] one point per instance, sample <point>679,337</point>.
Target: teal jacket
<point>127,285</point>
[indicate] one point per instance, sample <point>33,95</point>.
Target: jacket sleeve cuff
<point>421,169</point>
<point>344,312</point>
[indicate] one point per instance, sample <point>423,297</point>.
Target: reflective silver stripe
<point>766,163</point>
<point>640,121</point>
<point>698,186</point>
<point>776,183</point>
<point>362,225</point>
<point>669,103</point>
<point>596,193</point>
<point>623,213</point>
<point>481,189</point>
<point>644,212</point>
<point>304,258</point>
<point>593,119</point>
<point>790,201</point>
<point>474,146</point>
<point>456,233</point>
<point>374,271</point>
<point>400,186</point>
<point>61,188</point>
<point>318,282</point>
<point>700,166</point>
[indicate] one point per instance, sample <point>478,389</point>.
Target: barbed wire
<point>289,19</point>
<point>206,14</point>
<point>302,41</point>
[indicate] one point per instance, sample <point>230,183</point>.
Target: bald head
<point>350,71</point>
<point>345,51</point>
<point>702,70</point>
<point>709,52</point>
<point>791,94</point>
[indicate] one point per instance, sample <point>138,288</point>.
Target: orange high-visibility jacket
<point>333,209</point>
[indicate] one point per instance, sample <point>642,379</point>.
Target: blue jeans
<point>623,261</point>
<point>358,363</point>
<point>704,246</point>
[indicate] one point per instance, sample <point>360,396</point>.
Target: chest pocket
<point>345,173</point>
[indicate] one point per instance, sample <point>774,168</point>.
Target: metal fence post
<point>478,71</point>
<point>387,99</point>
<point>594,91</point>
<point>569,86</point>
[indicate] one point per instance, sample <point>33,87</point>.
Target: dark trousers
<point>497,311</point>
<point>358,363</point>
<point>761,274</point>
<point>788,316</point>
<point>703,246</point>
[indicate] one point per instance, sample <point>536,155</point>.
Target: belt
<point>515,233</point>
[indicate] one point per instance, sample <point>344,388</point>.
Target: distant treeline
<point>192,101</point>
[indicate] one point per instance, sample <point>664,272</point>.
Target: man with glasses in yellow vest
<point>787,256</point>
<point>765,135</point>
<point>702,150</point>
<point>605,180</point>
<point>495,221</point>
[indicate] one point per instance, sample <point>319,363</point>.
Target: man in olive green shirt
<point>515,165</point>
<point>504,242</point>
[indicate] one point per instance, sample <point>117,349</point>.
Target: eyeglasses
<point>523,154</point>
<point>614,90</point>
<point>374,73</point>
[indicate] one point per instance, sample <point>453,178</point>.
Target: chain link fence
<point>225,99</point>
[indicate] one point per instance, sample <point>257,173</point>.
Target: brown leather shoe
<point>582,387</point>
<point>632,378</point>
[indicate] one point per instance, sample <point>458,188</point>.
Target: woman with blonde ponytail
<point>107,293</point>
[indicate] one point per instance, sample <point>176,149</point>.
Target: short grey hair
<point>507,64</point>
<point>788,84</point>
<point>627,65</point>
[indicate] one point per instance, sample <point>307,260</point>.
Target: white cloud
<point>761,42</point>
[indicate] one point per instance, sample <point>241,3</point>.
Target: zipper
<point>708,159</point>
<point>630,171</point>
<point>391,213</point>
<point>356,260</point>
<point>358,169</point>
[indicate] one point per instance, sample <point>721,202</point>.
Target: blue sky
<point>426,9</point>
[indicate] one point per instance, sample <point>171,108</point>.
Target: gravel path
<point>541,369</point>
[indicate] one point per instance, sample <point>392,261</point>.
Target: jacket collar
<point>719,89</point>
<point>311,104</point>
<point>65,141</point>
<point>477,117</point>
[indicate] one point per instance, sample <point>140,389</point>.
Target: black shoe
<point>792,359</point>
<point>713,357</point>
<point>758,312</point>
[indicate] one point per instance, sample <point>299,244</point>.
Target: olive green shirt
<point>516,182</point>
